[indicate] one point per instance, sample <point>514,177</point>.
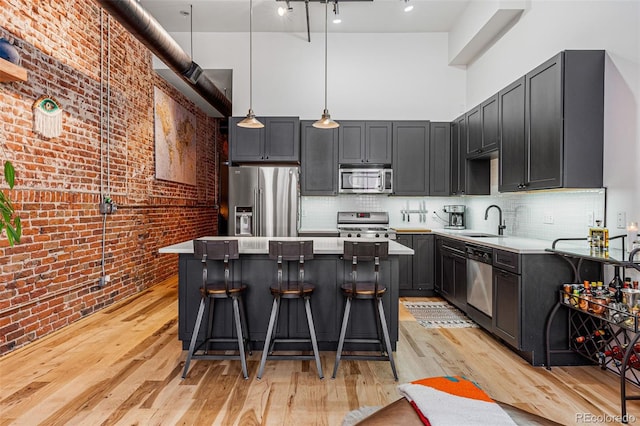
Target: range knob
<point>377,235</point>
<point>349,235</point>
<point>357,235</point>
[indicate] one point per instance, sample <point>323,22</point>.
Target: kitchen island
<point>327,270</point>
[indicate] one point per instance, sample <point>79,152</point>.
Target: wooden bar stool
<point>355,252</point>
<point>289,251</point>
<point>207,250</point>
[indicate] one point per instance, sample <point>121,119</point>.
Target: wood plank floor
<point>123,366</point>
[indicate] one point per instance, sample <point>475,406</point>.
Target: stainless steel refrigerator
<point>263,201</point>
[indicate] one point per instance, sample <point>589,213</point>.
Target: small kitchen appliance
<point>365,225</point>
<point>456,217</point>
<point>365,180</point>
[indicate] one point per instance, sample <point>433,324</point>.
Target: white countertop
<point>260,245</point>
<point>508,243</point>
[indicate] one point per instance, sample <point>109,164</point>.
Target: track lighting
<point>336,12</point>
<point>408,7</point>
<point>284,10</point>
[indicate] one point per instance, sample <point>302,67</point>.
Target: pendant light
<point>250,121</point>
<point>325,121</point>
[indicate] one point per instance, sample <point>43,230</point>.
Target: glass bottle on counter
<point>599,238</point>
<point>615,286</point>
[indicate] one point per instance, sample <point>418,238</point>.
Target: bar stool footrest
<point>291,357</point>
<point>363,341</point>
<point>365,357</point>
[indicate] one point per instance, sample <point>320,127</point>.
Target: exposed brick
<point>49,276</point>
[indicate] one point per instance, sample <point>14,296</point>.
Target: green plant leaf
<point>9,173</point>
<point>12,235</point>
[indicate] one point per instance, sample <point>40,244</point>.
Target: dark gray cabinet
<point>458,156</point>
<point>507,301</point>
<point>473,118</point>
<point>564,118</point>
<point>440,159</point>
<point>451,276</point>
<point>512,171</point>
<point>277,141</point>
<point>417,272</point>
<point>482,128</point>
<point>366,142</point>
<point>319,165</point>
<point>327,272</point>
<point>411,158</point>
<point>490,131</point>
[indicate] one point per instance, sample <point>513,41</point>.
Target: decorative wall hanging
<point>175,139</point>
<point>47,117</point>
<point>8,52</point>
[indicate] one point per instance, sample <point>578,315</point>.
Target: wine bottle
<point>596,335</point>
<point>615,286</point>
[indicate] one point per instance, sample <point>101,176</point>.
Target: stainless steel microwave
<point>365,181</point>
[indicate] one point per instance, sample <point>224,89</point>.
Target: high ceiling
<point>360,16</point>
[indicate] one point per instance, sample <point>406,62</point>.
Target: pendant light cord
<point>250,54</point>
<point>191,29</point>
<point>326,18</point>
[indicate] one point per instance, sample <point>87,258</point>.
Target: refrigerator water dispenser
<point>244,221</point>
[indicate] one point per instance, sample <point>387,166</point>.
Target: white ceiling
<point>358,16</point>
<point>361,16</point>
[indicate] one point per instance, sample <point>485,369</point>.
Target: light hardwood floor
<point>123,366</point>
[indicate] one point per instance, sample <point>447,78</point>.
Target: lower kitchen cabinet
<point>525,290</point>
<point>417,272</point>
<point>451,271</point>
<point>506,306</point>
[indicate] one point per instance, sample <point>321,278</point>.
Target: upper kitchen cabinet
<point>278,141</point>
<point>319,170</point>
<point>551,123</point>
<point>564,119</point>
<point>482,128</point>
<point>512,169</point>
<point>440,159</point>
<point>367,142</point>
<point>458,156</point>
<point>411,158</point>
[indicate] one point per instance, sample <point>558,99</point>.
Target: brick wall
<point>50,279</point>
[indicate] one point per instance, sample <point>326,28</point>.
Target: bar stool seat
<point>363,290</point>
<point>210,291</point>
<point>355,252</point>
<point>290,251</point>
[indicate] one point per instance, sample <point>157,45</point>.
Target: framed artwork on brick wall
<point>175,140</point>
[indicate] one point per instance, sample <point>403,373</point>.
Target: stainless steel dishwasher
<point>480,284</point>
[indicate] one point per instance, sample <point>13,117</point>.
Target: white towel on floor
<point>445,409</point>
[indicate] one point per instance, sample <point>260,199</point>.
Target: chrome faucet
<point>501,225</point>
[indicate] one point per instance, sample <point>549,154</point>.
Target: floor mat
<point>439,315</point>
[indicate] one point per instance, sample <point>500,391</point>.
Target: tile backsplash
<point>542,214</point>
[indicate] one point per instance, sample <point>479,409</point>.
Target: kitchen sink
<point>478,235</point>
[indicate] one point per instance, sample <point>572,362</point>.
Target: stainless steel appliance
<point>365,225</point>
<point>263,201</point>
<point>479,282</point>
<point>456,217</point>
<point>365,180</point>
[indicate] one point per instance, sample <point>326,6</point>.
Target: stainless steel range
<point>365,225</point>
